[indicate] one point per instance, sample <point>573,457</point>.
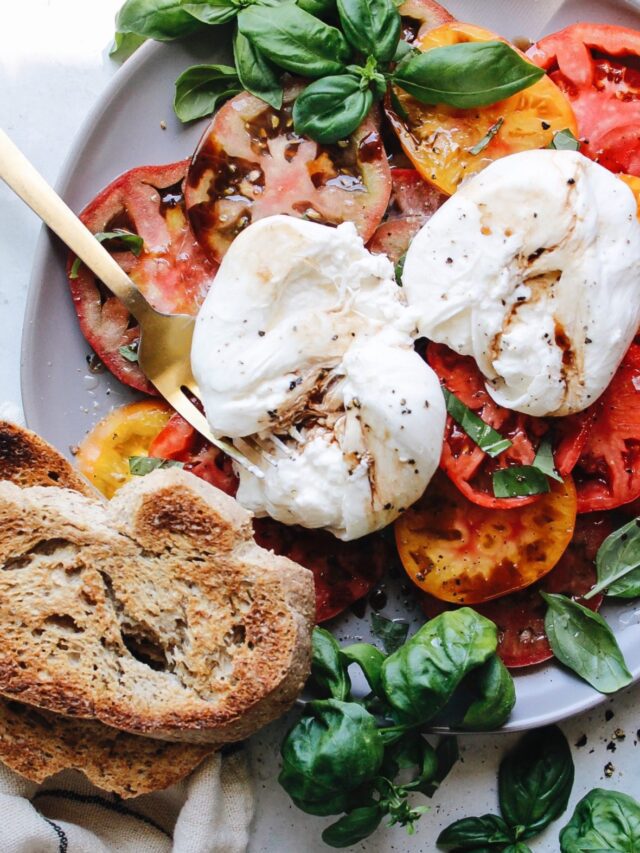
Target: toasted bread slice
<point>157,614</point>
<point>37,743</point>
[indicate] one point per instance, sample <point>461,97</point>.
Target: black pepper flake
<point>619,734</point>
<point>261,334</point>
<point>426,404</point>
<point>609,770</point>
<point>611,746</point>
<point>273,413</point>
<point>571,181</point>
<point>449,260</point>
<point>545,125</point>
<point>582,741</point>
<point>588,341</point>
<point>609,714</point>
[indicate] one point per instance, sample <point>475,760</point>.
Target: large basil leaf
<point>469,832</point>
<point>371,26</point>
<point>327,666</point>
<point>370,661</point>
<point>295,40</point>
<point>603,821</point>
<point>319,8</point>
<point>335,747</point>
<point>331,109</point>
<point>618,563</point>
<point>256,73</point>
<point>419,679</point>
<point>470,74</point>
<point>202,88</point>
<point>496,695</point>
<point>535,781</point>
<point>353,827</point>
<point>583,641</point>
<point>212,11</point>
<point>162,20</point>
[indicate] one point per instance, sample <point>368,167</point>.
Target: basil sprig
<point>618,563</point>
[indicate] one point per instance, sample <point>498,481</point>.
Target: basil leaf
<point>124,44</point>
<point>327,667</point>
<point>141,465</point>
<point>212,12</point>
<point>583,641</point>
<point>391,632</point>
<point>335,747</point>
<point>470,74</point>
<point>484,435</point>
<point>353,827</point>
<point>341,802</point>
<point>331,109</point>
<point>256,73</point>
<point>468,832</point>
<point>370,661</point>
<point>564,140</point>
<point>518,847</point>
<point>518,481</point>
<point>618,563</point>
<point>544,460</point>
<point>535,781</point>
<point>447,754</point>
<point>202,88</point>
<point>371,26</point>
<point>419,679</point>
<point>603,821</point>
<point>295,40</point>
<point>479,147</point>
<point>133,242</point>
<point>411,750</point>
<point>161,20</point>
<point>130,352</point>
<point>319,8</point>
<point>399,268</point>
<point>496,695</point>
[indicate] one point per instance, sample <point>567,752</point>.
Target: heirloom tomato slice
<point>466,554</point>
<point>469,467</point>
<point>250,163</point>
<point>597,66</point>
<point>420,16</point>
<point>439,140</point>
<point>171,271</point>
<point>520,616</point>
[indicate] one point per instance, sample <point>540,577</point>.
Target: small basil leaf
<point>583,641</point>
<point>518,481</point>
<point>331,109</point>
<point>130,352</point>
<point>564,140</point>
<point>202,88</point>
<point>371,26</point>
<point>295,40</point>
<point>402,49</point>
<point>327,667</point>
<point>392,632</point>
<point>370,661</point>
<point>535,781</point>
<point>467,833</point>
<point>141,465</point>
<point>212,12</point>
<point>544,460</point>
<point>470,74</point>
<point>447,754</point>
<point>496,696</point>
<point>479,147</point>
<point>133,242</point>
<point>161,20</point>
<point>484,435</point>
<point>256,73</point>
<point>353,827</point>
<point>618,563</point>
<point>603,821</point>
<point>419,679</point>
<point>399,268</point>
<point>319,8</point>
<point>124,44</point>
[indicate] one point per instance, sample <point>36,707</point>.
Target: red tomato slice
<point>466,464</point>
<point>607,474</point>
<point>250,164</point>
<point>420,16</point>
<point>596,66</point>
<point>172,271</point>
<point>520,616</point>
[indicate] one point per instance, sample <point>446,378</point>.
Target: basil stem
<point>485,436</point>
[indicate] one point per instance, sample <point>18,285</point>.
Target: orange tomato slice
<point>103,456</point>
<point>466,554</point>
<point>439,139</point>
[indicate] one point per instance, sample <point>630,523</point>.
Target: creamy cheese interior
<point>305,339</point>
<point>533,268</point>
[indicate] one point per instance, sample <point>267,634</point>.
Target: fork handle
<point>18,173</point>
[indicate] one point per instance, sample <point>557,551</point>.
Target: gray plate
<point>63,399</point>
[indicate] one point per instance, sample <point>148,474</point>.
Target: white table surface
<point>53,66</point>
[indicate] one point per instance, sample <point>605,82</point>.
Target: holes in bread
<point>64,623</point>
<point>145,647</point>
<point>53,475</point>
<point>61,549</point>
<point>236,636</point>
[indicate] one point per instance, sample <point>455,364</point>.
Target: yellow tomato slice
<point>634,183</point>
<point>464,553</point>
<point>438,139</point>
<point>103,456</point>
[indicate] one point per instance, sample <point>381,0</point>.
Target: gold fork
<point>165,340</point>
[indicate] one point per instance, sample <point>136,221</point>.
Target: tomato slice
<point>597,68</point>
<point>250,164</point>
<point>103,456</point>
<point>464,553</point>
<point>608,471</point>
<point>469,467</point>
<point>172,271</point>
<point>520,616</point>
<point>439,139</point>
<point>413,201</point>
<point>420,16</point>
